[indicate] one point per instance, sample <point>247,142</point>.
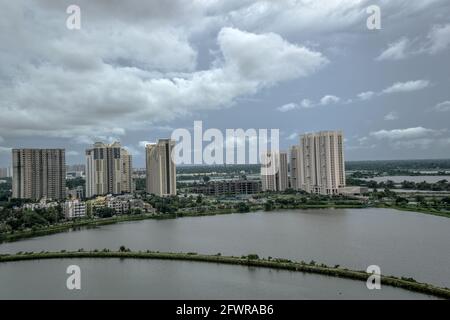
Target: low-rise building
<point>42,204</point>
<point>231,187</point>
<point>77,193</point>
<point>74,209</point>
<point>122,204</point>
<point>353,191</point>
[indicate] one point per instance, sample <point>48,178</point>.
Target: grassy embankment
<point>250,260</point>
<point>425,210</point>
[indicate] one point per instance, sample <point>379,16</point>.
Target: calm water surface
<point>401,243</point>
<point>161,279</point>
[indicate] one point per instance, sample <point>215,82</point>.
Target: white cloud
<point>306,103</point>
<point>410,138</point>
<point>143,144</point>
<point>324,101</point>
<point>105,100</point>
<point>391,116</point>
<point>439,38</point>
<point>132,150</point>
<point>395,51</point>
<point>407,86</point>
<point>329,99</point>
<point>309,16</point>
<point>366,95</point>
<point>292,136</point>
<point>409,133</point>
<point>1,139</point>
<point>288,107</point>
<point>442,107</point>
<point>281,60</point>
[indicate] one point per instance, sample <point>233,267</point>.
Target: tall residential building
<point>295,166</point>
<point>161,169</point>
<point>39,173</point>
<point>127,171</point>
<point>321,162</point>
<point>107,170</point>
<point>274,175</point>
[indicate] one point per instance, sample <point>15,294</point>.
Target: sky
<point>137,70</point>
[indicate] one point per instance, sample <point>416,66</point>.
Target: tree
<point>104,212</point>
<point>243,207</point>
<point>268,206</point>
<point>401,201</point>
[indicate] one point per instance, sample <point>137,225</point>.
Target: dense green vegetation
<point>75,182</point>
<point>12,220</point>
<point>303,201</point>
<point>250,260</point>
<point>442,185</point>
<point>140,184</point>
<point>392,167</point>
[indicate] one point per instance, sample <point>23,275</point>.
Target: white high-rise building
<point>108,170</point>
<point>274,175</point>
<point>320,163</point>
<point>161,169</point>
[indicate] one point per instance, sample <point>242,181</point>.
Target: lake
<point>162,279</point>
<point>401,243</point>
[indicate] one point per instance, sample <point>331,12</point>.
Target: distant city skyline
<point>136,71</point>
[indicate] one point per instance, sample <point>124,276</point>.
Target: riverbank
<point>95,222</point>
<point>429,211</point>
<point>251,260</point>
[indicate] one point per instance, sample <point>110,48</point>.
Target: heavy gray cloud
<point>138,67</point>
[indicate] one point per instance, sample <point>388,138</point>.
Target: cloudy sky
<point>136,70</point>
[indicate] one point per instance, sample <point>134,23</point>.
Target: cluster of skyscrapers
<point>316,165</point>
<point>41,173</point>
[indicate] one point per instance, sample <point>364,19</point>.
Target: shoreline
<point>93,223</point>
<point>250,260</point>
